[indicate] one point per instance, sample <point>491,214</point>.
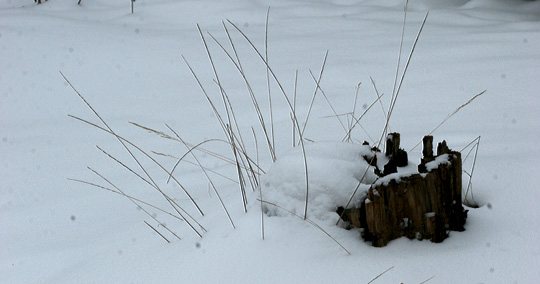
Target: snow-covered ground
<point>130,69</point>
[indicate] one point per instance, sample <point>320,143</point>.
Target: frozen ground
<point>129,67</point>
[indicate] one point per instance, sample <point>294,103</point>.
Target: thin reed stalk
<point>268,83</point>
<point>205,173</point>
<point>390,110</point>
<point>450,115</point>
<point>260,188</point>
<point>123,142</point>
<point>133,201</point>
<point>472,202</point>
<point>171,201</point>
<point>294,108</point>
<point>157,232</point>
<point>317,87</point>
<point>384,272</point>
<point>127,196</point>
<point>290,108</point>
<point>328,101</point>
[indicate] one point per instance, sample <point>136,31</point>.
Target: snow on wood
<point>423,205</point>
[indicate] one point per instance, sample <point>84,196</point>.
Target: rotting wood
<point>425,205</point>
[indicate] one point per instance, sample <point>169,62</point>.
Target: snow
<point>439,160</point>
<point>334,172</point>
<point>130,68</point>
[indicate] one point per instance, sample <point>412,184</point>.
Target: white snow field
<point>129,67</point>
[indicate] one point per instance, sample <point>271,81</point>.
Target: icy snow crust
<point>334,172</point>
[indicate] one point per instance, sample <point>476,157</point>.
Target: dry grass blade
<point>380,274</point>
<point>353,112</point>
<point>328,101</point>
<point>317,87</point>
<point>378,97</point>
<point>195,164</point>
<point>111,131</point>
<point>125,166</point>
<point>357,120</point>
<point>395,94</point>
<point>205,173</point>
<point>260,188</point>
<point>128,196</point>
<point>254,101</point>
<point>216,112</point>
<point>268,81</point>
<point>467,146</point>
<point>294,109</point>
<point>157,232</point>
<point>390,110</point>
<point>133,201</point>
<point>228,129</point>
<point>400,49</point>
<point>427,279</point>
<point>450,115</point>
<point>171,201</point>
<point>240,153</point>
<point>199,148</point>
<point>472,202</point>
<point>290,108</point>
<point>190,150</point>
<point>123,142</point>
<point>310,222</point>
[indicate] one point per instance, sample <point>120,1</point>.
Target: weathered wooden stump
<point>425,205</point>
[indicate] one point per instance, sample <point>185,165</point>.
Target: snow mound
<point>334,172</point>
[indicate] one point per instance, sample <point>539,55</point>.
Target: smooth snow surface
<point>129,67</point>
<point>334,172</point>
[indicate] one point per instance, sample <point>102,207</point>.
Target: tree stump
<point>425,205</point>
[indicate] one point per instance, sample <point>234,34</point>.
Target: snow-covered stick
<point>310,222</point>
<point>301,138</point>
<point>450,115</point>
<point>170,200</point>
<point>124,141</point>
<point>205,173</point>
